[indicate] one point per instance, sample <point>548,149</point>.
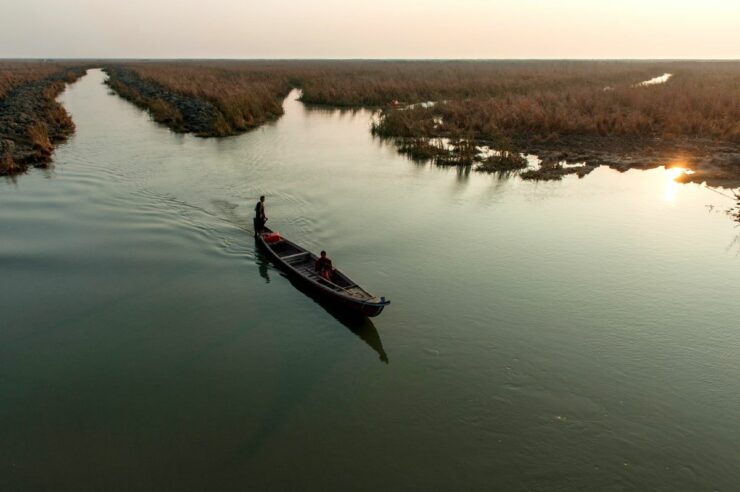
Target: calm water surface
<point>580,335</point>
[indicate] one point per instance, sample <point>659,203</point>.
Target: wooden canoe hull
<point>370,306</point>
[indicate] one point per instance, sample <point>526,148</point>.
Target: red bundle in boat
<point>271,237</point>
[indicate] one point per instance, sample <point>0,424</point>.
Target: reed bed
<point>380,83</point>
<point>14,74</point>
<point>238,98</point>
<point>482,99</point>
<point>245,98</point>
<point>31,121</point>
<point>700,100</point>
<point>734,211</point>
<point>516,106</point>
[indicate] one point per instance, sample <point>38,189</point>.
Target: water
<point>662,79</point>
<point>579,335</point>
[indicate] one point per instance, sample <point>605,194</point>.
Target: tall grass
<point>7,162</point>
<point>13,74</point>
<point>700,100</point>
<point>243,97</point>
<point>378,83</point>
<point>31,120</point>
<point>38,134</point>
<point>484,99</point>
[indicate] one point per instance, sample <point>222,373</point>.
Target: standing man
<point>259,215</point>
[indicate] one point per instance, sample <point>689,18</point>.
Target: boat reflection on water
<point>263,264</point>
<point>357,323</point>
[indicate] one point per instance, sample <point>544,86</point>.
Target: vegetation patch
<point>592,112</point>
<point>595,112</point>
<point>31,121</point>
<point>735,211</point>
<point>550,170</point>
<point>208,100</point>
<point>503,161</point>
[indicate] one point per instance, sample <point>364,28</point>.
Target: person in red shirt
<point>324,267</point>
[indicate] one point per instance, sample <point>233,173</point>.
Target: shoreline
<point>204,113</point>
<point>715,162</point>
<point>33,123</point>
<point>180,112</point>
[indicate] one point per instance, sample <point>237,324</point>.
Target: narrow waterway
<point>577,335</point>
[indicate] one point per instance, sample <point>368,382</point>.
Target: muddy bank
<point>32,122</point>
<point>180,113</point>
<point>559,112</point>
<point>714,162</point>
<point>193,110</point>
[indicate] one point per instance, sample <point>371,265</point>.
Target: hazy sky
<point>371,28</point>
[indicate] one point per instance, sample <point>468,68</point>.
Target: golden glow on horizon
<point>674,172</point>
<point>371,29</point>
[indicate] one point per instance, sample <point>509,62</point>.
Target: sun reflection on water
<point>670,190</point>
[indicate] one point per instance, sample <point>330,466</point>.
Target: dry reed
<point>31,120</point>
<point>483,99</point>
<point>14,74</point>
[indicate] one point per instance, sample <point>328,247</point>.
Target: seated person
<point>323,266</point>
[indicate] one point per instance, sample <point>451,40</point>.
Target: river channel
<point>572,335</point>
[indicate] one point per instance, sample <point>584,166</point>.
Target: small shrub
<point>164,112</point>
<point>7,164</point>
<point>38,134</point>
<point>503,161</point>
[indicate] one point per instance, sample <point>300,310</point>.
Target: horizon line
<point>178,58</point>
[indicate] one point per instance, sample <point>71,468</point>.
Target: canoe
<point>301,264</point>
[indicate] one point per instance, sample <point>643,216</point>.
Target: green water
<point>579,335</point>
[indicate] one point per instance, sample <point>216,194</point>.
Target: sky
<point>370,29</point>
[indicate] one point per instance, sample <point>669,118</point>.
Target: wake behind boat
<point>300,263</point>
